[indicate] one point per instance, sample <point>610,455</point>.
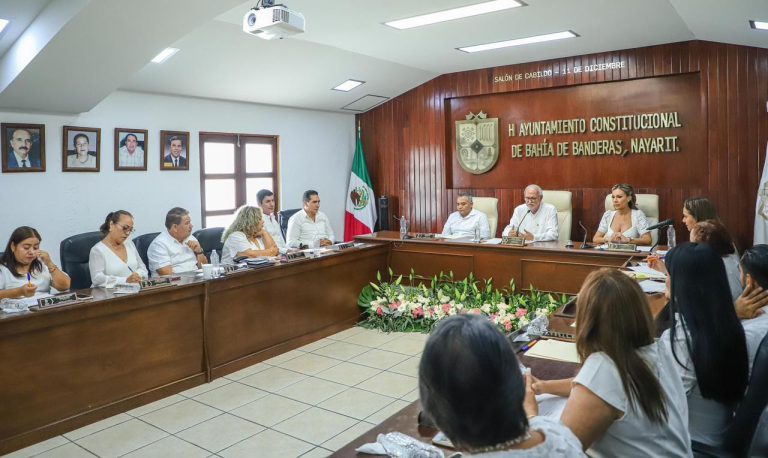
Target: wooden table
<point>67,367</point>
<point>547,266</point>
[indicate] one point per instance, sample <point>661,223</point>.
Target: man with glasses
<point>533,220</point>
<point>176,250</point>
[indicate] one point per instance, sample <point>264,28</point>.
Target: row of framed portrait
<point>24,149</point>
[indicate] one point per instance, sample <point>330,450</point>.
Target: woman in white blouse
<point>625,223</point>
<point>627,399</point>
<point>247,237</point>
<point>25,269</point>
<point>115,259</point>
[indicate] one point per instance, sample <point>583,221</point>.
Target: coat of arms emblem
<point>477,142</point>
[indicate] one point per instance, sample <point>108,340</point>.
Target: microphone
<point>520,224</point>
<point>584,244</point>
<point>665,223</point>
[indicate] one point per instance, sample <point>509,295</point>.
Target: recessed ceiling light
<point>519,41</point>
<point>3,23</point>
<point>455,13</point>
<point>348,85</point>
<point>758,25</point>
<point>164,55</point>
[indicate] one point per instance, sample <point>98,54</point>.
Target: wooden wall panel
<point>407,139</point>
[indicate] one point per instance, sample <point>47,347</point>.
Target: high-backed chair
<point>142,243</point>
<point>649,204</point>
<point>210,239</point>
<point>562,200</point>
<point>74,252</point>
<point>489,206</point>
<point>285,215</point>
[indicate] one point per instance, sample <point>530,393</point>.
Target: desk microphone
<point>584,244</point>
<point>665,223</point>
<point>520,224</point>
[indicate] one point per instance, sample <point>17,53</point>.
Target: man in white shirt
<point>463,221</point>
<point>533,220</point>
<point>176,250</point>
<point>131,154</point>
<point>309,224</point>
<point>266,201</point>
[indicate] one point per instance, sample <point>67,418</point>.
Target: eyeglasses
<point>126,229</point>
<point>531,199</point>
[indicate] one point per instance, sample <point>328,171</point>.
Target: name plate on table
<point>629,247</point>
<point>59,300</point>
<point>422,235</point>
<point>513,241</point>
<point>295,255</point>
<point>156,282</point>
<point>231,268</point>
<point>342,246</point>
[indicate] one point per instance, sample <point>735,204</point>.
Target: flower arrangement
<point>394,306</point>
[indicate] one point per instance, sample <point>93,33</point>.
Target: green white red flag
<point>360,216</point>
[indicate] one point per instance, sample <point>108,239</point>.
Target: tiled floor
<point>307,402</point>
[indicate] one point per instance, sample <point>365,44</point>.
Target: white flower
<point>502,306</point>
<point>486,308</point>
<point>524,321</point>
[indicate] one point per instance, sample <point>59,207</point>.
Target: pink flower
<point>394,306</point>
<point>477,311</point>
<point>508,325</point>
<point>521,312</point>
<point>379,311</point>
<point>418,312</point>
<point>446,308</point>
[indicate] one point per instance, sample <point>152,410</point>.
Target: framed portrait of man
<point>131,149</point>
<point>174,150</point>
<point>81,149</point>
<point>23,147</point>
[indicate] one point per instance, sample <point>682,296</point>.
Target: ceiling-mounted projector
<point>273,22</point>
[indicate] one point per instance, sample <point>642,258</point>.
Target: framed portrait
<point>81,149</point>
<point>131,149</point>
<point>174,150</point>
<point>23,147</point>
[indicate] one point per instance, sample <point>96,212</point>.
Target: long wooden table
<point>547,266</point>
<point>67,367</point>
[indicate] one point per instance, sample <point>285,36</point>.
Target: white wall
<point>316,150</point>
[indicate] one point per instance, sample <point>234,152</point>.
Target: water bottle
<point>403,227</point>
<point>671,239</point>
<point>215,263</point>
<point>477,233</point>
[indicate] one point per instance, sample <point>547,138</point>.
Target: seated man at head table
<point>266,200</point>
<point>309,225</point>
<point>465,218</point>
<point>533,220</point>
<point>176,250</point>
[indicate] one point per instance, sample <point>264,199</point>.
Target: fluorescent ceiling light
<point>455,13</point>
<point>164,55</point>
<point>757,25</point>
<point>3,23</point>
<point>348,85</point>
<point>519,41</point>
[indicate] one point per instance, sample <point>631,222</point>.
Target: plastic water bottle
<point>671,238</point>
<point>477,233</point>
<point>403,227</point>
<point>215,263</point>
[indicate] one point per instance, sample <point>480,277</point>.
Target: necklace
<point>504,445</point>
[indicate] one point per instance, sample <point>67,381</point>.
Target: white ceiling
<point>82,50</point>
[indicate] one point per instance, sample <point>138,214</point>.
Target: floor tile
<point>220,432</point>
<point>341,350</point>
<point>315,425</point>
<point>347,436</point>
<point>250,370</point>
<point>312,390</point>
<point>157,405</point>
<point>387,411</point>
<point>230,396</point>
<point>348,373</point>
<point>287,356</point>
<point>347,333</point>
<point>98,426</point>
<point>273,379</point>
<point>412,396</point>
<point>168,447</point>
<point>38,448</point>
<point>370,338</point>
<point>404,345</point>
<point>316,344</point>
<point>270,410</point>
<point>181,416</point>
<point>317,452</point>
<point>69,450</point>
<point>267,444</point>
<point>408,367</point>
<point>198,390</point>
<point>356,403</point>
<point>419,336</point>
<point>309,363</point>
<point>379,359</point>
<point>121,439</point>
<point>390,384</point>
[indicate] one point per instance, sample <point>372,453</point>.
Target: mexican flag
<point>361,206</point>
<point>761,208</point>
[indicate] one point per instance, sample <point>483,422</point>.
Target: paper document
<point>494,241</point>
<point>650,286</point>
<point>643,269</point>
<point>555,350</point>
<point>644,249</point>
<point>550,405</point>
<point>454,236</point>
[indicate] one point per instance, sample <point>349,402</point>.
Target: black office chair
<point>74,252</point>
<point>760,439</point>
<point>210,239</point>
<point>285,215</point>
<point>142,243</point>
<point>743,431</point>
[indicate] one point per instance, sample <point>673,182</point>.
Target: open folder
<point>556,350</point>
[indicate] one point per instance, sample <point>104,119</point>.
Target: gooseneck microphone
<point>665,223</point>
<point>520,224</point>
<point>584,244</point>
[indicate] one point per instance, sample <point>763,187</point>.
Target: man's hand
<point>325,242</point>
<point>527,235</point>
<point>195,246</point>
<point>750,302</point>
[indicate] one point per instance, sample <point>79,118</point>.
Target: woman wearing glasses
<point>115,259</point>
<point>625,223</point>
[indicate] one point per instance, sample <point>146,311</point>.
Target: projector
<point>273,22</point>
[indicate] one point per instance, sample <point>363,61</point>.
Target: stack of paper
<point>652,287</point>
<point>555,350</point>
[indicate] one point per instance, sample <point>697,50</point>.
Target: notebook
<point>556,350</point>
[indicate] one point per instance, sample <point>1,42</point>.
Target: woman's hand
<point>530,405</point>
<point>44,257</point>
<point>27,290</point>
<point>133,278</point>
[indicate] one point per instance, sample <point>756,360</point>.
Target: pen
<point>29,278</point>
<point>530,345</point>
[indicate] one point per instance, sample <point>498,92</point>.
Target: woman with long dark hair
<point>25,269</point>
<point>705,339</point>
